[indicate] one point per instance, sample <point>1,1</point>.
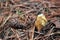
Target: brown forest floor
<point>17,18</point>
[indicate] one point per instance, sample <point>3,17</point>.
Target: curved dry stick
<point>2,25</point>
<point>17,36</point>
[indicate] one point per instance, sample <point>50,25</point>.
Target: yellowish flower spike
<point>40,21</point>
